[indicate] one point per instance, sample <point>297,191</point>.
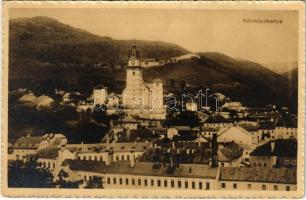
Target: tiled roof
<point>115,147</point>
<point>144,168</point>
<point>259,174</point>
<point>28,142</point>
<point>49,153</point>
<point>282,148</point>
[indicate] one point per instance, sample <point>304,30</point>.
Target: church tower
<point>136,93</point>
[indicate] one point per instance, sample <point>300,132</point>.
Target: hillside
<point>244,81</point>
<point>46,54</point>
<point>281,67</point>
<point>46,47</point>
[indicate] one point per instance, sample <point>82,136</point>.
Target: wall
<point>141,182</point>
<point>229,185</point>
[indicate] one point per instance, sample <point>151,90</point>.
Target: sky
<point>198,30</point>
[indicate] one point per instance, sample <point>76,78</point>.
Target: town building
<point>142,175</point>
<point>140,98</point>
<point>28,146</point>
<point>257,178</point>
<point>275,153</point>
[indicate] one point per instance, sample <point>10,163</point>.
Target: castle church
<point>142,99</point>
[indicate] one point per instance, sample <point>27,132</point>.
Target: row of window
<point>249,186</point>
<point>100,158</point>
<point>286,162</point>
<point>156,183</point>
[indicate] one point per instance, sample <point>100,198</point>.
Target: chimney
<point>132,159</point>
<point>272,146</point>
<point>214,151</point>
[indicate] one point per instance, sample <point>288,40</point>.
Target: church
<point>139,98</point>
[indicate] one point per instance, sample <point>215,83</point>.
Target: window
<point>222,185</point>
<point>89,157</point>
<point>126,181</point>
<point>200,185</point>
<point>207,186</point>
<point>133,181</point>
<point>139,181</point>
<point>114,180</point>
<point>293,162</point>
<point>165,183</point>
<point>179,184</point>
<point>152,182</point>
<point>146,182</point>
<point>193,184</point>
<point>235,185</point>
<point>263,187</point>
<point>96,158</point>
<point>122,157</point>
<point>286,162</point>
<point>133,73</point>
<point>186,184</point>
<point>172,183</point>
<point>249,186</point>
<point>287,188</point>
<point>158,183</point>
<point>264,164</point>
<point>128,157</point>
<point>53,165</point>
<point>120,181</point>
<point>85,178</point>
<point>275,187</point>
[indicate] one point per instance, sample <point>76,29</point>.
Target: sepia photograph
<point>153,99</point>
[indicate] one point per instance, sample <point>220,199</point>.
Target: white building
<point>99,95</point>
<point>141,175</point>
<point>140,98</point>
<point>192,106</point>
<point>235,134</point>
<point>259,179</point>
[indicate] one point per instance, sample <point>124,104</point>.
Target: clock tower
<point>136,93</point>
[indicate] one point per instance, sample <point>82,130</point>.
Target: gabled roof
<point>282,148</point>
<point>223,130</point>
<point>144,169</point>
<point>259,174</point>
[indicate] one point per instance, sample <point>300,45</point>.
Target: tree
<point>29,174</point>
<point>63,181</point>
<point>95,183</point>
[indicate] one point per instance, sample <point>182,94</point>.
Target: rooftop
<point>115,147</point>
<point>28,142</point>
<point>259,174</point>
<point>144,169</point>
<point>282,148</point>
<point>49,153</point>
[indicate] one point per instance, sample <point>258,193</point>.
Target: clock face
<point>134,62</point>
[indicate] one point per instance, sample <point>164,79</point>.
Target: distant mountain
<point>46,54</point>
<point>281,67</point>
<point>244,81</point>
<point>47,40</point>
